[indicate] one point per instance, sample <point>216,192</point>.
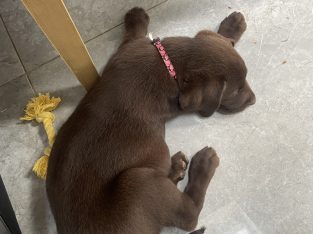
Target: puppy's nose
<point>252,99</point>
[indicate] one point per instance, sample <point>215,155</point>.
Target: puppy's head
<point>215,78</point>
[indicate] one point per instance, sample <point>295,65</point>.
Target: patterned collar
<point>157,43</point>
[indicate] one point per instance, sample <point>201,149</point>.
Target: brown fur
<point>110,170</point>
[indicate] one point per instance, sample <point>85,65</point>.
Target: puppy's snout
<point>252,99</point>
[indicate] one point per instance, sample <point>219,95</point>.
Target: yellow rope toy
<point>39,108</point>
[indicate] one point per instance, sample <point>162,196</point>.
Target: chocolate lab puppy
<point>110,170</point>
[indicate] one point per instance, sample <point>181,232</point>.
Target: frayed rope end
<point>40,167</point>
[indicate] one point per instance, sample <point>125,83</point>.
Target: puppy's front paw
<point>203,165</point>
<point>179,166</point>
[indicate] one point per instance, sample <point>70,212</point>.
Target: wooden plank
<point>56,23</point>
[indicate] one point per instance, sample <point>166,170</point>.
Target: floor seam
<point>121,23</point>
<point>87,41</point>
<point>27,73</point>
<point>17,77</point>
<point>19,57</point>
<point>42,64</point>
<point>160,3</point>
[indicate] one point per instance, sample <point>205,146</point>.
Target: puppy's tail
<point>199,231</point>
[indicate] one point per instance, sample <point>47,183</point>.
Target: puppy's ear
<point>202,95</point>
<point>190,99</point>
<point>213,97</point>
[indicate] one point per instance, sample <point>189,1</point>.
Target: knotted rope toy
<point>39,109</point>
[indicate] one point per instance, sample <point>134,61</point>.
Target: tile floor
<point>265,180</point>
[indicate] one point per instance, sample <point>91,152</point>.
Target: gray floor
<point>265,180</point>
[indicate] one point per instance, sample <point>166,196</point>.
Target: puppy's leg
<point>233,26</point>
<point>158,199</point>
<point>184,208</point>
<point>178,168</point>
<point>201,171</point>
<point>136,24</point>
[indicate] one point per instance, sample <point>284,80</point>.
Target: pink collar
<point>171,70</point>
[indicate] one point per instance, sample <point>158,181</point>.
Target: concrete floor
<point>265,180</point>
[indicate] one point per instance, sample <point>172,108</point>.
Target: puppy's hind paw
<point>233,26</point>
<point>136,17</point>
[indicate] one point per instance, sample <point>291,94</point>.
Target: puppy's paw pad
<point>180,160</point>
<point>179,166</point>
